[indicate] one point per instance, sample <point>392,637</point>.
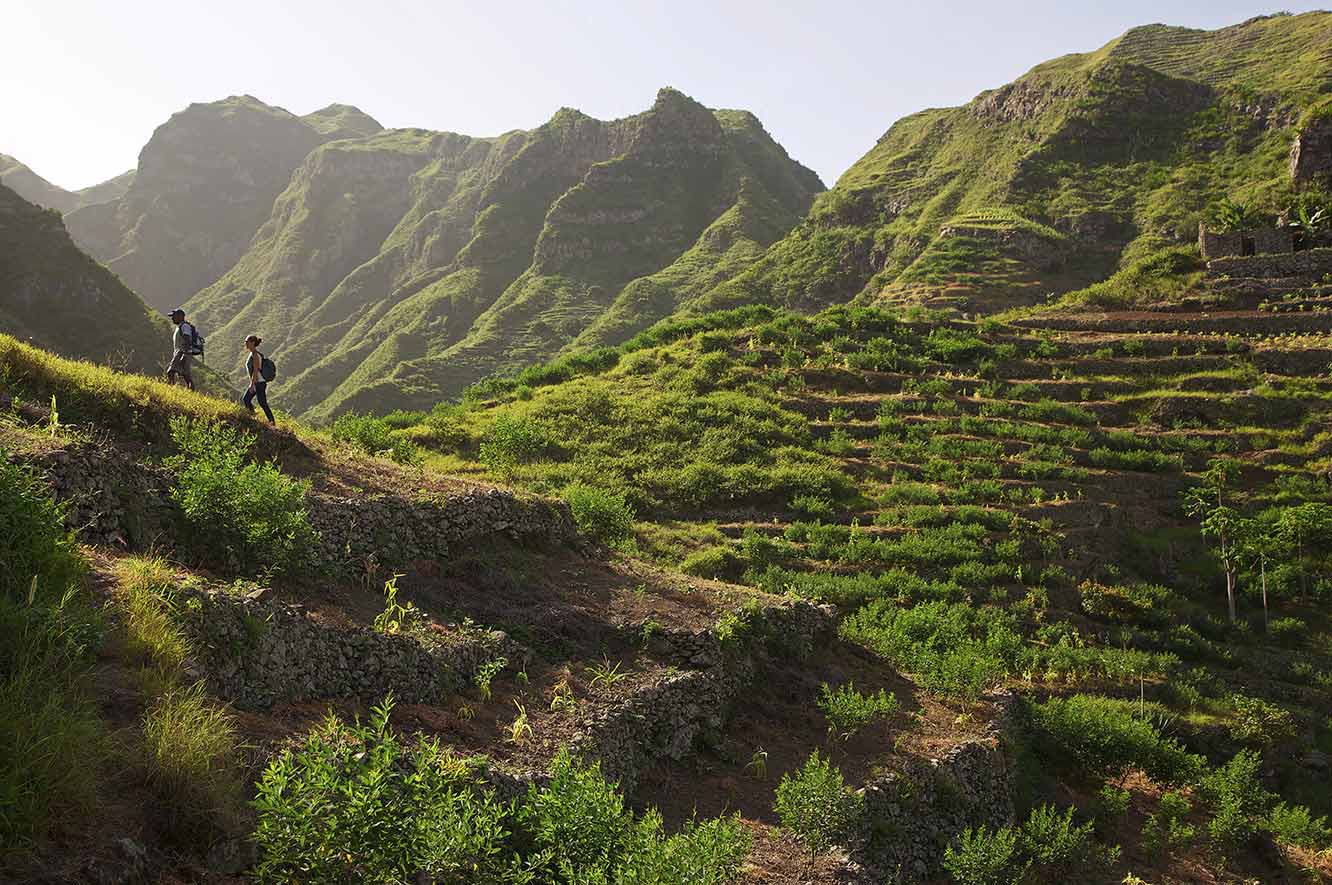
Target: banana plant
<point>1232,216</point>
<point>1310,222</point>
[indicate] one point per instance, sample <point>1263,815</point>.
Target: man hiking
<point>261,370</point>
<point>182,347</point>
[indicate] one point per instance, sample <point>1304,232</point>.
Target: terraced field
<point>965,564</point>
<point>987,505</point>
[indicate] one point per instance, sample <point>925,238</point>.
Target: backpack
<point>196,347</point>
<point>267,368</point>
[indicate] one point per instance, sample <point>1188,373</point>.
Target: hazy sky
<point>85,83</point>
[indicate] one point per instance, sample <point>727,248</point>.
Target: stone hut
<point>1255,241</point>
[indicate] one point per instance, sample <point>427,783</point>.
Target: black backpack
<point>267,368</point>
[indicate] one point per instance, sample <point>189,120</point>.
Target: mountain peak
<point>342,121</point>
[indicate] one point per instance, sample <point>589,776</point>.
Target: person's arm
<point>254,361</point>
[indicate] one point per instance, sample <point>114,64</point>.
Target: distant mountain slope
<point>204,185</point>
<point>60,299</point>
<point>399,267</point>
<point>1056,179</point>
<point>35,189</point>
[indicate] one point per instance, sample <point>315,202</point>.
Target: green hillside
<point>400,267</point>
<point>1110,155</point>
<point>58,298</point>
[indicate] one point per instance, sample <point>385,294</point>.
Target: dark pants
<point>259,392</point>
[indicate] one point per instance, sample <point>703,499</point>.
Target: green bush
<point>848,710</point>
<point>375,436</point>
<point>52,743</point>
<point>713,562</point>
<point>1165,828</point>
<point>354,803</point>
<point>36,545</point>
<point>1237,799</point>
<point>1296,825</point>
<point>1048,847</point>
<point>511,441</point>
<point>1057,849</point>
<point>1103,738</point>
<point>357,803</point>
<point>815,805</point>
<point>1258,722</point>
<point>601,514</point>
<point>950,648</point>
<point>979,856</point>
<point>238,512</point>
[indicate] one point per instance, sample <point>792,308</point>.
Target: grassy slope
<point>880,464</point>
<point>56,296</point>
<point>1123,149</point>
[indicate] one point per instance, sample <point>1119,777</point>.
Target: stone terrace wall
<point>1309,263</point>
<point>118,501</point>
<point>911,816</point>
<point>665,720</point>
<point>256,653</point>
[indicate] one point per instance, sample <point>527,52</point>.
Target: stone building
<point>1254,241</point>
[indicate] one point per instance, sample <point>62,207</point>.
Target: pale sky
<point>83,83</point>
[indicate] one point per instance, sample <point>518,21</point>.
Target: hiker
<point>261,370</point>
<point>182,349</point>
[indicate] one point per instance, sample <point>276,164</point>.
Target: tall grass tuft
<point>190,747</point>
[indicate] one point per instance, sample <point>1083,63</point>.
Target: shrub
<point>1056,848</point>
<point>1109,805</point>
<point>1296,825</point>
<point>1165,829</point>
<point>848,710</point>
<point>374,436</point>
<point>954,649</point>
<point>356,803</point>
<point>1258,722</point>
<point>1102,737</point>
<point>713,562</point>
<point>1287,629</point>
<point>601,514</point>
<point>1237,799</point>
<point>35,543</point>
<point>511,441</point>
<point>189,747</point>
<point>815,805</point>
<point>979,856</point>
<point>238,511</point>
<point>52,743</point>
<point>353,803</point>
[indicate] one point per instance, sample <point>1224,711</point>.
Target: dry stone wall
<point>1310,263</point>
<point>666,719</point>
<point>119,501</point>
<point>911,816</point>
<point>256,652</point>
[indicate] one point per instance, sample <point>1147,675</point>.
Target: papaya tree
<point>1221,523</point>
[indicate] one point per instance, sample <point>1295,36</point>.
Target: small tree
<point>1219,521</point>
<point>815,805</point>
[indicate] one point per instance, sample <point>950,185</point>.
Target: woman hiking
<point>254,367</point>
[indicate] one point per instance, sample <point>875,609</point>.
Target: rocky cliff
<point>205,183</point>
